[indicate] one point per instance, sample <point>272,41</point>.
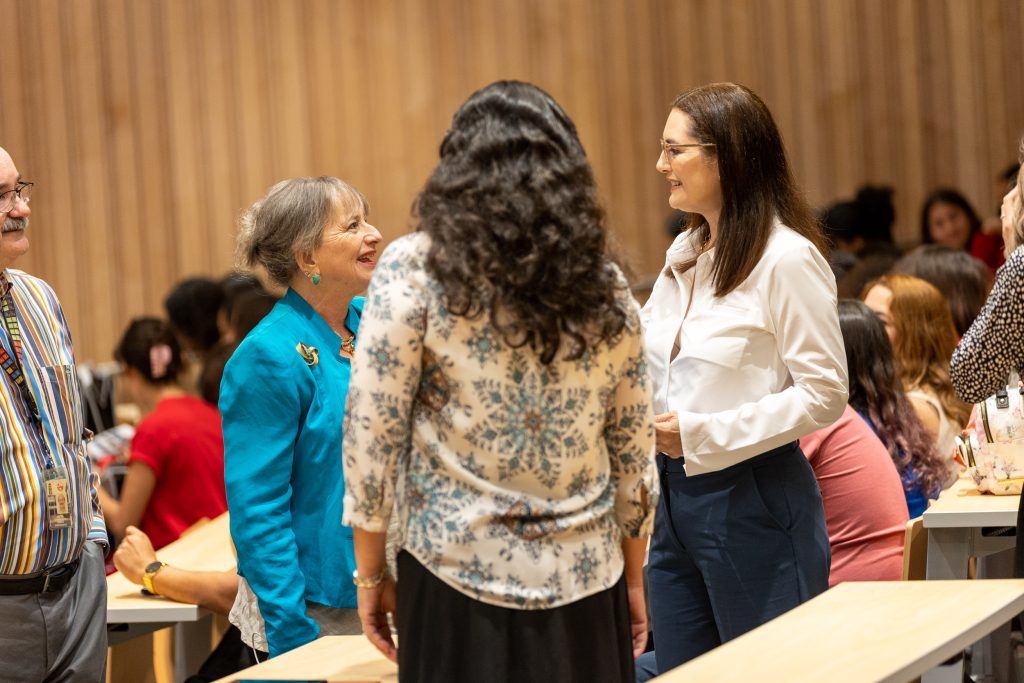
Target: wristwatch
<point>151,570</point>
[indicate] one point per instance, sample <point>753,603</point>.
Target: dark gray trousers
<point>60,636</point>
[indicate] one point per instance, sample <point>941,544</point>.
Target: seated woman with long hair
<point>920,326</point>
<point>876,392</point>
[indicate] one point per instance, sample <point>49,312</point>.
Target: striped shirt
<point>26,543</point>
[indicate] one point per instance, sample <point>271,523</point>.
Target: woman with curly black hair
<point>500,397</point>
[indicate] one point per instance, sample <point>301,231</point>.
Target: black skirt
<point>446,636</point>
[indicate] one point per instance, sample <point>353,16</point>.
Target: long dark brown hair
<point>876,392</point>
<point>516,227</point>
<point>757,185</point>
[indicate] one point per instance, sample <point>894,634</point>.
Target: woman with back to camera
<point>176,458</point>
<point>745,352</point>
<point>283,398</point>
<point>963,280</point>
<point>876,392</point>
<point>500,397</point>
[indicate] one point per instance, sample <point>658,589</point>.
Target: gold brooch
<point>310,354</point>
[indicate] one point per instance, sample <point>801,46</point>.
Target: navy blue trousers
<point>732,550</point>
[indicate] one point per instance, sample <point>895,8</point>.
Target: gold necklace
<point>349,345</point>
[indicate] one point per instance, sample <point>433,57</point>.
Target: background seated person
<point>877,394</point>
<point>214,591</point>
<point>176,461</point>
<point>865,509</point>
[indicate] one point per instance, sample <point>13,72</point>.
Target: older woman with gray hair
<point>282,399</point>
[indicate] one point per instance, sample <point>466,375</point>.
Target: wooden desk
<point>955,522</point>
<point>131,614</point>
<point>348,659</point>
<point>860,632</point>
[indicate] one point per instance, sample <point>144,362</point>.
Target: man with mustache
<point>52,580</point>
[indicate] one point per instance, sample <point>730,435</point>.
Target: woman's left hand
<point>666,435</point>
<point>374,606</point>
<point>637,618</point>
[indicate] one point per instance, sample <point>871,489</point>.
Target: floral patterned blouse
<point>514,480</point>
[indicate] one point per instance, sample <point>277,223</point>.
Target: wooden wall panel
<point>149,125</point>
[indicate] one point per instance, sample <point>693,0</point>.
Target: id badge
<point>58,498</point>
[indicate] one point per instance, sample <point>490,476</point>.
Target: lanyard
<point>13,366</point>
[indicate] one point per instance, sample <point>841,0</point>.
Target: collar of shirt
<point>687,246</point>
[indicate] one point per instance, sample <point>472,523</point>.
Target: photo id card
<point>58,498</point>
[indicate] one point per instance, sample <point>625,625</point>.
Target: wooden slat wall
<point>150,124</point>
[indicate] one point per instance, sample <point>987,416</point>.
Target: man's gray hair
<point>290,219</point>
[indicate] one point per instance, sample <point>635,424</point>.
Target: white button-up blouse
<point>757,368</point>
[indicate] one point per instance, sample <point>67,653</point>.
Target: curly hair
<point>877,393</point>
<point>516,228</point>
<point>925,339</point>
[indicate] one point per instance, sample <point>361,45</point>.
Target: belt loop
<point>46,583</point>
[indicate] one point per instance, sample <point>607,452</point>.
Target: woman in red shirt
<point>948,218</point>
<point>176,464</point>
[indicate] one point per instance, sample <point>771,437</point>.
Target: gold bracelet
<point>371,582</point>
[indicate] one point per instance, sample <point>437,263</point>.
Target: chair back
<point>915,550</point>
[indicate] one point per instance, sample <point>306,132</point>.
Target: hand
<point>666,435</point>
<point>134,554</point>
<point>374,606</point>
<point>637,618</point>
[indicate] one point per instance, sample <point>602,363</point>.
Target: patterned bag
<point>993,448</point>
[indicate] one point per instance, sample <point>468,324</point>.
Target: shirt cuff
<point>98,531</point>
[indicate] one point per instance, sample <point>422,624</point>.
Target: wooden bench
<point>338,659</point>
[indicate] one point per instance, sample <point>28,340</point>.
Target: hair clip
<point>310,354</point>
<point>160,356</point>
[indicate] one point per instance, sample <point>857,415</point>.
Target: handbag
<point>992,446</point>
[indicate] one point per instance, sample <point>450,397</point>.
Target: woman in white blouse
<point>746,357</point>
<point>500,401</point>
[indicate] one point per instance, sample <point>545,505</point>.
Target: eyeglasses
<point>667,147</point>
<point>8,199</point>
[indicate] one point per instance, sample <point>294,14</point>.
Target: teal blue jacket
<point>283,467</point>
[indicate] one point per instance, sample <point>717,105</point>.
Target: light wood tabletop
<point>862,632</point>
<point>205,548</point>
<point>961,505</point>
<point>342,659</point>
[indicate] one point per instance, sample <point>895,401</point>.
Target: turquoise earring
<point>315,279</point>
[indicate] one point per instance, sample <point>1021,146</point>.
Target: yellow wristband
<point>149,574</point>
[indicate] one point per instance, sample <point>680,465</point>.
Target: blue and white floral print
<point>513,481</point>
